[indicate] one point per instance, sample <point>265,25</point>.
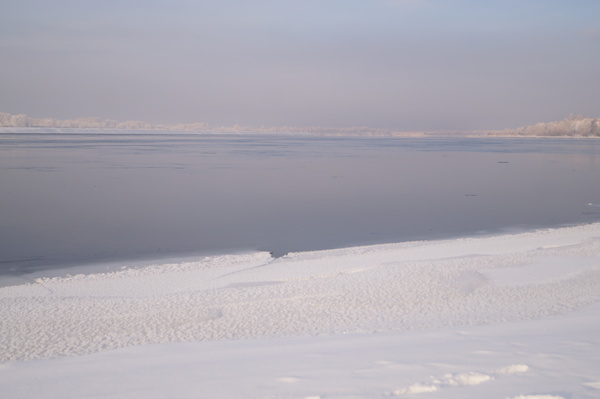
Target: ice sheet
<point>72,199</point>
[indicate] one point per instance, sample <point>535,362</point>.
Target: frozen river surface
<point>80,198</point>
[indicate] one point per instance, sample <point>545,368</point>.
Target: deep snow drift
<point>506,316</point>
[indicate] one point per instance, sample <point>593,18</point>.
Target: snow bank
<point>550,358</point>
<point>380,288</point>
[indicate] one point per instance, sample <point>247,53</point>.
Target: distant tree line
<point>24,121</point>
<point>573,125</point>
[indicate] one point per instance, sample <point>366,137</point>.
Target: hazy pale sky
<point>400,64</point>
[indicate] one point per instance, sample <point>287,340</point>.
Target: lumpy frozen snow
<point>512,316</point>
<point>380,288</point>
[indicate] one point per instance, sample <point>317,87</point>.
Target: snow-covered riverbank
<point>512,315</point>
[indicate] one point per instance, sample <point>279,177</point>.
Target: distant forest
<point>572,126</point>
<point>24,121</point>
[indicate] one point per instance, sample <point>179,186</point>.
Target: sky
<point>395,64</point>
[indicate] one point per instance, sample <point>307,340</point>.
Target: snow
<point>509,316</point>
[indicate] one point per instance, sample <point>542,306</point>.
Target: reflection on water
<point>69,198</point>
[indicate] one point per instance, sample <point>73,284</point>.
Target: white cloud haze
<point>400,65</point>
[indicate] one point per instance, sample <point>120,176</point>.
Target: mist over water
<point>70,199</point>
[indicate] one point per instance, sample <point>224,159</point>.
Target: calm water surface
<point>68,199</point>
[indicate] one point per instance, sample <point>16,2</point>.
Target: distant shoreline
<point>572,126</point>
<point>449,135</point>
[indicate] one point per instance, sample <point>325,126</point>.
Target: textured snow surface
<point>395,287</point>
<point>557,357</point>
<point>512,316</point>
